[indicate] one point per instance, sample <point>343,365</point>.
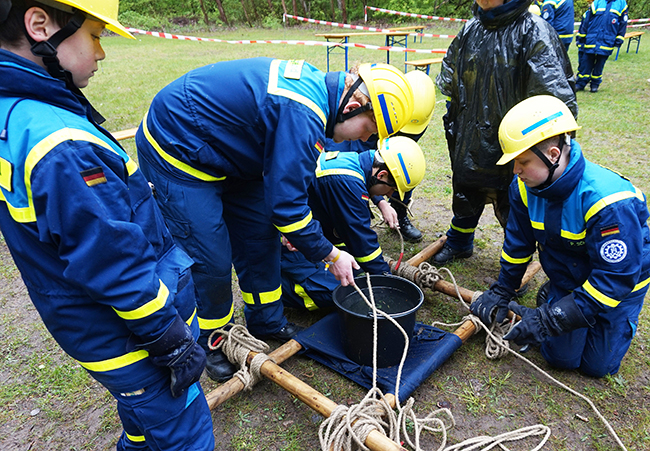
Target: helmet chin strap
<point>551,166</point>
<point>340,115</point>
<point>47,51</point>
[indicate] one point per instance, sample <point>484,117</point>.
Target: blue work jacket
<point>590,229</point>
<point>603,27</point>
<point>251,119</point>
<point>339,199</point>
<point>560,14</point>
<point>84,230</point>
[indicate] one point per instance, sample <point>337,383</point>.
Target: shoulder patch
<point>319,146</point>
<point>613,251</point>
<point>331,155</point>
<point>94,176</point>
<point>609,230</point>
<point>293,69</point>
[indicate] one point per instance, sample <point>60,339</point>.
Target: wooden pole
<point>125,134</point>
<point>428,252</point>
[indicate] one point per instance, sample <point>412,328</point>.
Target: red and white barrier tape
<point>638,20</point>
<point>158,34</point>
<point>361,27</point>
<point>399,13</point>
<point>639,25</point>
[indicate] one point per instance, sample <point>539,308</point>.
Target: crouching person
<point>590,227</point>
<point>86,234</point>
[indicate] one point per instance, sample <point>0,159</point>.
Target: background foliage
<point>165,14</point>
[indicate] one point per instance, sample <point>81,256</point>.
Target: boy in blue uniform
<point>601,30</point>
<point>559,13</point>
<point>231,149</point>
<point>589,225</point>
<point>86,234</point>
<point>339,196</point>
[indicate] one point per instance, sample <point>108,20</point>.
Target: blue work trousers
<point>590,69</point>
<point>220,224</point>
<point>306,285</point>
<point>153,420</point>
<point>598,350</point>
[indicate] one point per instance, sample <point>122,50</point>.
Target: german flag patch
<point>94,176</point>
<point>609,230</point>
<point>365,197</point>
<point>319,146</point>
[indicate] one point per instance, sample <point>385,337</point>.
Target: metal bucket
<point>400,298</point>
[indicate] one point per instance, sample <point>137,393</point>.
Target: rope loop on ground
<point>236,344</point>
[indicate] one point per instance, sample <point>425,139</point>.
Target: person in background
<point>395,210</point>
<point>602,29</point>
<point>338,197</point>
<point>589,225</point>
<point>559,13</point>
<point>502,56</point>
<point>231,149</point>
<point>85,232</point>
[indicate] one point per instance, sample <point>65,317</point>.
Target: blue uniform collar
<point>335,82</point>
<point>564,185</point>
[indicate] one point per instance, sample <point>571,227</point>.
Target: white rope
<point>236,344</point>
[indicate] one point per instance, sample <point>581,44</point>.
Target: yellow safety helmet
<point>391,97</point>
<point>102,10</point>
<point>532,121</point>
<point>404,160</point>
<point>424,100</point>
<point>534,9</point>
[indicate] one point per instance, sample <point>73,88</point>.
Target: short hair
<point>12,30</point>
<point>349,80</point>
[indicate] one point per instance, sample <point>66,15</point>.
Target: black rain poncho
<point>498,59</point>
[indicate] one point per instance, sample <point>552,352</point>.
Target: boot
<point>447,254</point>
<point>218,367</point>
<point>542,293</point>
<point>285,334</point>
<point>406,228</point>
<point>409,231</point>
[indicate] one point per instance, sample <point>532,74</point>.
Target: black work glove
<point>491,303</point>
<point>177,350</point>
<point>537,324</point>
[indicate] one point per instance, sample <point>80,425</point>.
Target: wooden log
<point>125,134</point>
<point>428,252</point>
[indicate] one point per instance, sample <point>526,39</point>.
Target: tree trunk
<point>270,6</point>
<point>305,6</point>
<point>205,13</point>
<point>295,10</point>
<point>284,7</point>
<point>222,13</point>
<point>255,15</point>
<point>248,19</point>
<point>333,11</point>
<point>344,12</point>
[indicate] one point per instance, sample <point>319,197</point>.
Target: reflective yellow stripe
<point>462,230</point>
<point>308,302</point>
<point>566,35</point>
<point>537,225</point>
<point>135,438</point>
<point>296,225</point>
<point>612,198</point>
<point>209,324</point>
<point>515,261</point>
<point>6,170</point>
<point>266,297</point>
<point>641,285</point>
<point>116,362</point>
<point>326,172</point>
<point>123,360</point>
<point>275,90</point>
<point>150,307</point>
<point>36,154</point>
<point>370,257</point>
<point>600,297</point>
<point>573,236</point>
<point>186,168</point>
<point>522,192</point>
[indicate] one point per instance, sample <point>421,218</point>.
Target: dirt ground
<point>66,410</point>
